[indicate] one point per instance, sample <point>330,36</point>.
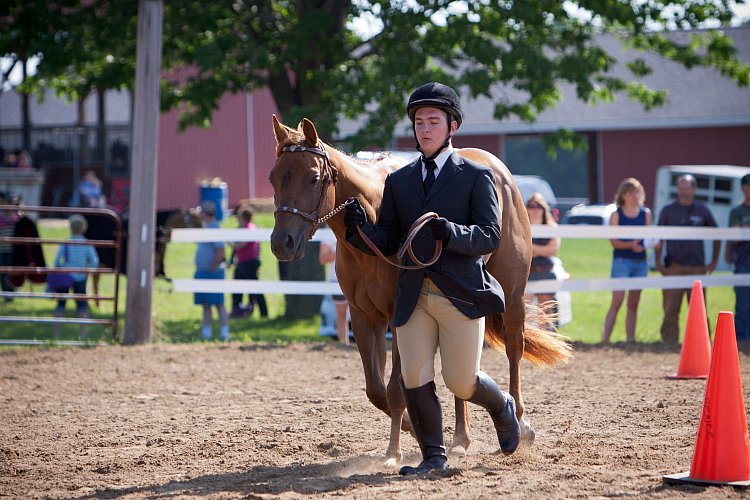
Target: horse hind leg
<point>510,327</point>
<point>514,320</point>
<point>461,434</point>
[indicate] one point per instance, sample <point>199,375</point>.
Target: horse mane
<point>373,169</point>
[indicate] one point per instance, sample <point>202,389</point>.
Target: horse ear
<point>311,135</point>
<point>279,131</point>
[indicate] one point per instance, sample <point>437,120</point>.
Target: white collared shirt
<point>439,161</point>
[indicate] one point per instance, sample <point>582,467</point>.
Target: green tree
<point>81,47</point>
<point>317,65</point>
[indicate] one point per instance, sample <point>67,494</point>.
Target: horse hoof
<point>527,433</point>
<point>458,451</point>
<point>392,463</point>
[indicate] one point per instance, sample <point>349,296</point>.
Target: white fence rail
<point>544,231</point>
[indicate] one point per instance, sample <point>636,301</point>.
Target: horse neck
<point>358,180</point>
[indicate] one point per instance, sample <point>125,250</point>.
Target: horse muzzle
<point>287,246</point>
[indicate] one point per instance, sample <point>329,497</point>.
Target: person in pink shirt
<point>246,261</point>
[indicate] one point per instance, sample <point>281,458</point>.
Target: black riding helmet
<point>435,95</point>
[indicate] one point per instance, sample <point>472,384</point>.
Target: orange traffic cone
<point>695,354</point>
<point>722,447</point>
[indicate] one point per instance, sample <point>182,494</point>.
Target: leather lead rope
<point>406,247</point>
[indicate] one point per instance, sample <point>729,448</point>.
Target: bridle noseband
<point>328,179</point>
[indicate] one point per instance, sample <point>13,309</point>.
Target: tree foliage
<point>316,64</point>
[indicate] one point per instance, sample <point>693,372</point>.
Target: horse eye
<point>314,180</point>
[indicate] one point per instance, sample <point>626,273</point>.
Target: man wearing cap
<point>442,306</point>
<point>683,257</point>
<point>738,255</point>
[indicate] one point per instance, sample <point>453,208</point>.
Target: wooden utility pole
<point>142,219</point>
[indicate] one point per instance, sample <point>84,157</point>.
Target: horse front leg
<point>370,338</point>
<point>514,319</point>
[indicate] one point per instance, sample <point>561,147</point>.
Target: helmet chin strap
<point>439,150</point>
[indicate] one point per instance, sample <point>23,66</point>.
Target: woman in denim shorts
<point>629,256</point>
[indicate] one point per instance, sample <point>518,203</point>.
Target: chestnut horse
<point>312,182</point>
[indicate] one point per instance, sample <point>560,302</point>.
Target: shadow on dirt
<point>266,480</point>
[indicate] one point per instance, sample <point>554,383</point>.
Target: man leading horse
<point>442,306</point>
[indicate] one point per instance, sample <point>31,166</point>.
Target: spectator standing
<point>328,256</point>
<point>209,264</point>
<point>738,255</point>
<point>89,191</point>
<point>628,256</point>
<point>7,228</point>
<point>246,261</point>
<point>543,249</point>
<point>23,160</point>
<point>683,257</point>
<point>79,255</point>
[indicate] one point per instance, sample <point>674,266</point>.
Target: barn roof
<point>698,97</point>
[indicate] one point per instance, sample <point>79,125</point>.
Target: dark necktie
<point>429,179</point>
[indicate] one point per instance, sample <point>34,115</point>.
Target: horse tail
<point>541,346</point>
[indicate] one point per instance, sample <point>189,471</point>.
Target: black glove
<point>354,215</point>
<point>441,229</point>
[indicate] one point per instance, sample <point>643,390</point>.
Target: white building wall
<point>55,110</point>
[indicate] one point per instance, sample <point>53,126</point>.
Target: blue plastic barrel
<point>219,195</point>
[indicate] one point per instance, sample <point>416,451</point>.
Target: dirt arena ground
<point>266,421</point>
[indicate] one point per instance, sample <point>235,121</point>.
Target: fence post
<point>145,151</point>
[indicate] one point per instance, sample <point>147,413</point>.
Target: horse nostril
<point>289,242</point>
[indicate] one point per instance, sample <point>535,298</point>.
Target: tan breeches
<point>436,323</point>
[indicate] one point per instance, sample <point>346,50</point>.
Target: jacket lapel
<point>452,167</point>
<point>415,178</point>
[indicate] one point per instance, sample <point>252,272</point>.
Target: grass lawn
<point>177,320</point>
<point>585,259</point>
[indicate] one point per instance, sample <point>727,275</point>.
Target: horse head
<point>303,181</point>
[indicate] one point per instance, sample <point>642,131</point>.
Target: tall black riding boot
<point>502,409</point>
<point>423,406</point>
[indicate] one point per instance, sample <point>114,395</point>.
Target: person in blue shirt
<point>89,191</point>
<point>209,264</point>
<point>77,255</point>
<point>629,256</point>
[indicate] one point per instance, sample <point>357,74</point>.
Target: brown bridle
<point>328,179</point>
<point>315,221</point>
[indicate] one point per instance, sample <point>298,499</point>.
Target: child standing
<point>209,260</point>
<point>246,259</point>
<point>75,256</point>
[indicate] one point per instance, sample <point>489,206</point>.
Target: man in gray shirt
<point>683,257</point>
<point>738,255</point>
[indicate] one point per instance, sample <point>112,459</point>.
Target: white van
<point>530,184</point>
<point>718,186</point>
